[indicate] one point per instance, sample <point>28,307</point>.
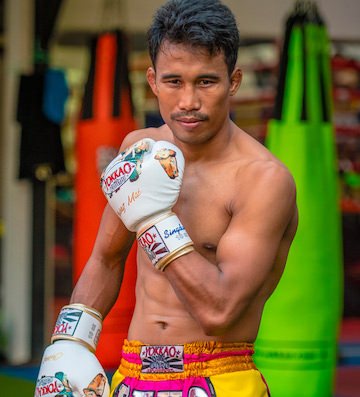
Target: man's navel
<point>209,247</point>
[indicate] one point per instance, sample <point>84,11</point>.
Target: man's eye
<point>174,82</point>
<point>205,82</point>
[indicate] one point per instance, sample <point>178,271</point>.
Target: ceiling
<point>71,23</point>
<point>256,18</point>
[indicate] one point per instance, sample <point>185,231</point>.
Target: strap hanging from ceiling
<point>46,12</point>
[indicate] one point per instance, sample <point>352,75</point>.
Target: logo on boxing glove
<point>96,387</point>
<point>59,385</point>
<point>127,166</point>
<point>167,159</point>
<point>67,322</point>
<point>153,244</point>
<point>117,175</point>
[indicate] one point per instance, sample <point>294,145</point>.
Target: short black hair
<point>200,23</point>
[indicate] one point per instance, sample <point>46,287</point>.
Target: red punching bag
<point>106,117</point>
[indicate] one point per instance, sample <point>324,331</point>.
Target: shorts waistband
<point>181,361</point>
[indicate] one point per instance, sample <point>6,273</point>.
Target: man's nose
<point>189,99</point>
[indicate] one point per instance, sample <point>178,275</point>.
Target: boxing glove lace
<point>142,184</point>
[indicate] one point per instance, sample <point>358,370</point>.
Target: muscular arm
<point>217,295</point>
<point>100,281</point>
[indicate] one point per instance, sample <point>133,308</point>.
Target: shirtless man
<point>198,313</point>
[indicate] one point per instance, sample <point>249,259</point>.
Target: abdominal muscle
<point>160,317</point>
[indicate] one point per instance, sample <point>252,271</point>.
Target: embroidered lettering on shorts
<point>162,359</point>
<point>141,393</point>
<point>122,391</point>
<point>197,392</point>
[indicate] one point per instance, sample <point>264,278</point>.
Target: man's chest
<point>204,207</point>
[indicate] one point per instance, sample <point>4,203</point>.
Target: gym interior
<point>44,242</point>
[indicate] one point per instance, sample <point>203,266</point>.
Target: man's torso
<point>205,209</point>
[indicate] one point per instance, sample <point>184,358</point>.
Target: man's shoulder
<point>262,176</point>
<point>265,189</point>
<point>261,162</point>
<point>270,171</point>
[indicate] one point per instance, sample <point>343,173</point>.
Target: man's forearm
<point>98,287</point>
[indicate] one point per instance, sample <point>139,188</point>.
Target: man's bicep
<point>246,258</point>
<point>249,247</point>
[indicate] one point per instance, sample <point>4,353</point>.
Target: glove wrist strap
<point>78,323</point>
<point>164,240</point>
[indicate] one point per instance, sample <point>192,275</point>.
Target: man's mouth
<point>189,120</point>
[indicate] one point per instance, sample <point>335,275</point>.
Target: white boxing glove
<point>69,366</point>
<point>142,184</point>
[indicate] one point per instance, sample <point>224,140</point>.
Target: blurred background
<point>58,62</point>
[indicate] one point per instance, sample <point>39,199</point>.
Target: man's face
<point>193,91</point>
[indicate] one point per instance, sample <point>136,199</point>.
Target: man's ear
<point>235,80</point>
<point>151,78</point>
